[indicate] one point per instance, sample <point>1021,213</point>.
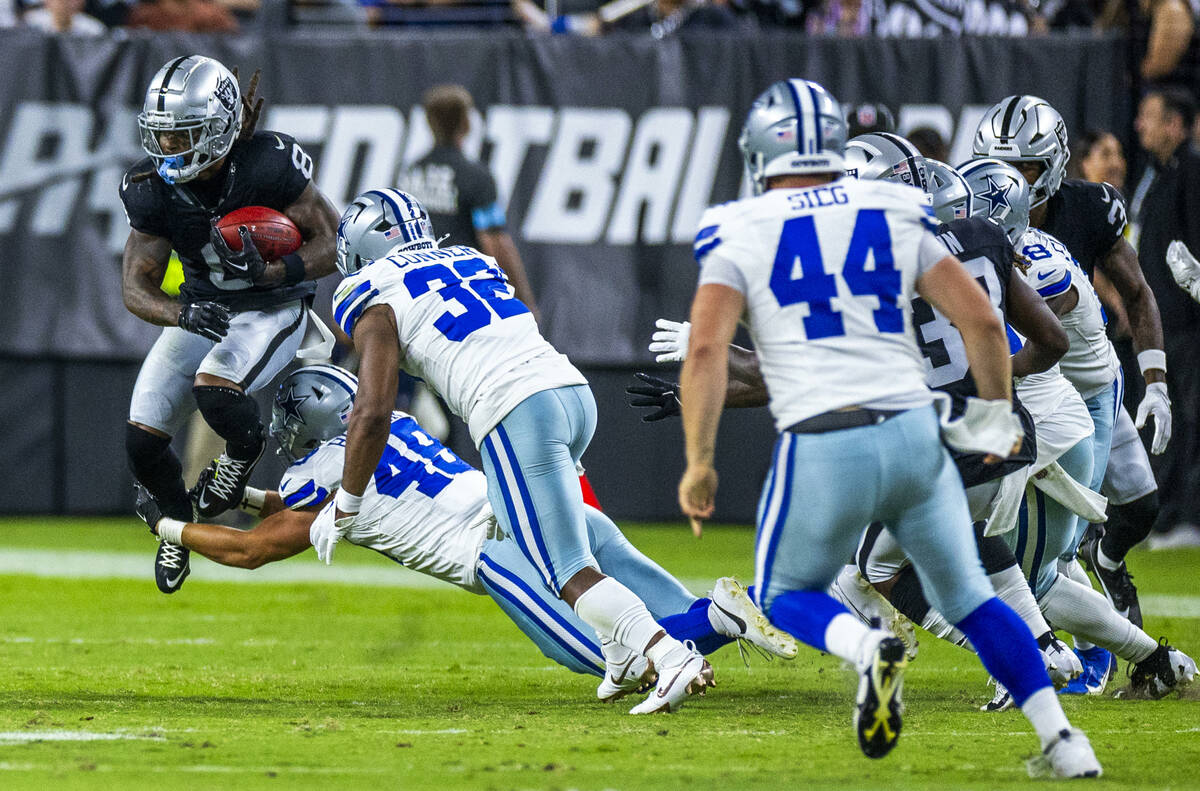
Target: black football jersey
<point>460,195</point>
<point>1088,218</point>
<point>269,169</point>
<point>987,254</point>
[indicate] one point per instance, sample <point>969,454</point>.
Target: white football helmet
<point>1000,193</point>
<point>311,405</point>
<point>379,222</point>
<point>949,192</point>
<point>795,127</point>
<point>1026,129</point>
<point>197,100</point>
<point>883,156</point>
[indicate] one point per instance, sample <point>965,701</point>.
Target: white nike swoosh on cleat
<point>171,583</point>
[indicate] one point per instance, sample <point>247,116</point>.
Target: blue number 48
<point>817,288</point>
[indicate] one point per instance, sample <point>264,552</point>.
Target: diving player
<point>449,317</point>
<point>428,511</point>
<point>239,319</point>
<point>823,268</point>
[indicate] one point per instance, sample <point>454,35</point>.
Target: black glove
<point>655,393</point>
<point>244,264</point>
<point>147,508</point>
<point>206,319</point>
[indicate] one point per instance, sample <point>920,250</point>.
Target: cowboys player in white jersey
<point>1089,219</point>
<point>1046,528</point>
<point>823,267</point>
<point>449,316</point>
<point>429,512</point>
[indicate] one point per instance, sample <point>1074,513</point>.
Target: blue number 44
<point>817,288</point>
<point>480,291</point>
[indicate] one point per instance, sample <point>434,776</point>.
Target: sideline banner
<point>605,150</point>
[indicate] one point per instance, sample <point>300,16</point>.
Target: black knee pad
<point>908,597</point>
<point>234,416</point>
<point>994,552</point>
<point>143,449</point>
<point>1128,525</point>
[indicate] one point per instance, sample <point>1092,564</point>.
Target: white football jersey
<point>828,273</point>
<point>424,507</point>
<point>1060,417</point>
<point>460,329</point>
<point>1091,363</point>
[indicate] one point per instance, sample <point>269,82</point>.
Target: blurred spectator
<point>460,194</point>
<point>845,18</point>
<point>8,13</point>
<point>1097,156</point>
<point>930,143</point>
<point>194,16</point>
<point>1164,42</point>
<point>1166,206</point>
<point>113,13</point>
<point>64,16</point>
<point>661,18</point>
<point>869,117</point>
<point>937,18</point>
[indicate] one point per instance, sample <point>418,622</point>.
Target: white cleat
<point>733,614</point>
<point>675,683</point>
<point>870,607</point>
<point>627,672</point>
<point>1002,701</point>
<point>1069,755</point>
<point>1062,664</point>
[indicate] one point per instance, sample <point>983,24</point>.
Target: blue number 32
<point>481,298</point>
<point>817,288</point>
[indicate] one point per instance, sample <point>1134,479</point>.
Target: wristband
<point>1152,358</point>
<point>348,503</point>
<point>170,530</point>
<point>253,500</point>
<point>293,267</point>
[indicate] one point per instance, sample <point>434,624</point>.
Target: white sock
<point>1045,714</point>
<point>1105,561</point>
<point>937,625</point>
<point>844,637</point>
<point>612,609</point>
<point>1075,572</point>
<point>1012,589</point>
<point>1085,613</point>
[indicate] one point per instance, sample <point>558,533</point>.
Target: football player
<point>428,511</point>
<point>846,388</point>
<point>1089,219</point>
<point>449,317</point>
<point>239,319</point>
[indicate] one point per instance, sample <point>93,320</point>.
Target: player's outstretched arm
<point>1123,271</point>
<point>317,220</point>
<point>279,536</point>
<point>951,289</point>
<point>142,268</point>
<point>1045,339</point>
<point>702,382</point>
<point>378,347</point>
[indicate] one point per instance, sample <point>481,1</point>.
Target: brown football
<point>274,234</point>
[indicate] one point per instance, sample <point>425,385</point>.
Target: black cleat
<point>223,483</point>
<point>1162,671</point>
<point>171,566</point>
<point>877,718</point>
<point>1117,585</point>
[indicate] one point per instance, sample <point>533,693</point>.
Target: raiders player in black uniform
<point>239,319</point>
<point>1089,219</point>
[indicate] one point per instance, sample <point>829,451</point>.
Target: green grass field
<point>355,677</point>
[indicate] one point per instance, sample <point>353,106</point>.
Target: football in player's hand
<point>274,234</point>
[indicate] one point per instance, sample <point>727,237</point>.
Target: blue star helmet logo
<point>997,198</point>
<point>290,403</point>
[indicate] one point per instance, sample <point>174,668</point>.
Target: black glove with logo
<point>206,319</point>
<point>244,264</point>
<point>660,394</point>
<point>147,508</point>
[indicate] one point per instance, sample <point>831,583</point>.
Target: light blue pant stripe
<point>539,609</point>
<point>775,514</point>
<point>520,526</point>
